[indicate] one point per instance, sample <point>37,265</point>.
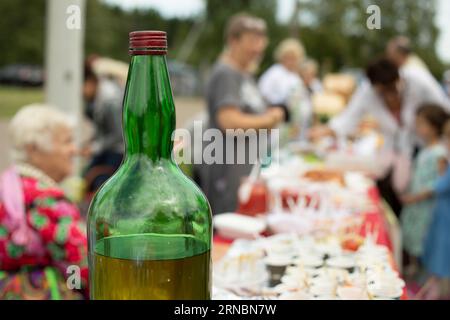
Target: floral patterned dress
<point>60,241</point>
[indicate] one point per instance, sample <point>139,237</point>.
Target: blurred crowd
<point>42,231</point>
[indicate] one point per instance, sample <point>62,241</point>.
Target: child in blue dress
<point>416,216</point>
<point>436,256</point>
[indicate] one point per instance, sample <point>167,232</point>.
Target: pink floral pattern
<point>59,227</point>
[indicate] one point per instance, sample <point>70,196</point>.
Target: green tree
<point>335,32</point>
<point>22,27</point>
<point>218,12</point>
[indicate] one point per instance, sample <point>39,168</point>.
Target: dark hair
<point>382,71</point>
<point>435,115</point>
<point>89,74</point>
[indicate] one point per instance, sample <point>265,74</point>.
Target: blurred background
<point>73,54</point>
<point>333,32</point>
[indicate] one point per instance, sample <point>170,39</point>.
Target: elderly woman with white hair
<point>41,232</point>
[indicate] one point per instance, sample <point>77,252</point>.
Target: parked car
<point>22,75</point>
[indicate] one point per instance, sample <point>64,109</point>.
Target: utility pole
<point>64,48</point>
<point>64,54</point>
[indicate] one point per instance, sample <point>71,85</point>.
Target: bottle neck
<point>149,111</point>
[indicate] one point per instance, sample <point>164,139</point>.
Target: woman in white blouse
<point>392,99</point>
<point>281,79</point>
<point>281,85</point>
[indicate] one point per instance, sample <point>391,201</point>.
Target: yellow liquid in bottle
<point>151,267</point>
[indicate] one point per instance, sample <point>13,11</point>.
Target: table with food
<point>308,227</point>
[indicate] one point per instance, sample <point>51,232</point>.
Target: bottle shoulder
<point>149,187</point>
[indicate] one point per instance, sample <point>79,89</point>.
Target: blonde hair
<point>34,125</point>
<point>289,45</point>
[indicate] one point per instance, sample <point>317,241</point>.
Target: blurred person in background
<point>279,82</point>
<point>392,98</point>
<point>436,255</point>
<point>103,98</point>
<point>416,215</point>
<point>282,86</point>
<point>399,51</point>
<point>111,69</point>
<point>309,71</point>
<point>41,232</point>
<point>234,102</point>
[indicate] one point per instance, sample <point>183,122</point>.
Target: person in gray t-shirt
<point>234,102</point>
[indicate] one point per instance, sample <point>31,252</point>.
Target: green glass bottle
<point>149,226</point>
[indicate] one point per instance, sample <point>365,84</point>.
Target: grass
<point>13,98</point>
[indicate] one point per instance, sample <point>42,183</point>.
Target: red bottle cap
<point>148,43</point>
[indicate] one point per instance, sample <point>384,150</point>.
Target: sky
<point>184,8</point>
